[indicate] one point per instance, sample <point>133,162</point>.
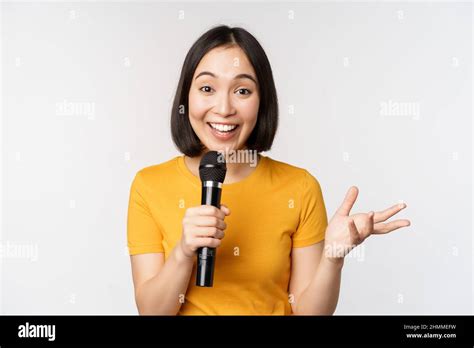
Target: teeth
<point>222,127</point>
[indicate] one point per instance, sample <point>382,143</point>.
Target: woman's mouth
<point>223,131</point>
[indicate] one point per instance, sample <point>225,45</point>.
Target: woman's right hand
<point>203,226</point>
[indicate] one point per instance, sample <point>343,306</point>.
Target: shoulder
<point>157,172</point>
<point>287,170</point>
<point>292,174</point>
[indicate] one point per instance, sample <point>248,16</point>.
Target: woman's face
<point>224,99</point>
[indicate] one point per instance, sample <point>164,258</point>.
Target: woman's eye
<point>246,91</point>
<point>207,89</point>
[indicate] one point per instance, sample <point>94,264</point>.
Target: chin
<point>222,147</point>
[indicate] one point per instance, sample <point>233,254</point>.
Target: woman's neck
<point>235,171</point>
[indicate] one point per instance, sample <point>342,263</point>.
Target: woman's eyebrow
<point>239,76</point>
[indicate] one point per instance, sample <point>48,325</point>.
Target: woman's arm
<point>160,286</point>
<point>322,294</point>
<point>315,281</point>
<point>316,275</point>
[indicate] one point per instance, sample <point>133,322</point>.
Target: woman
<point>276,252</point>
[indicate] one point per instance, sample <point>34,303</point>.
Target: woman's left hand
<point>345,232</point>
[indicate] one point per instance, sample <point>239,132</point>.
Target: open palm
<point>345,232</point>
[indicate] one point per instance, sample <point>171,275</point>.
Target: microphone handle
<point>211,195</point>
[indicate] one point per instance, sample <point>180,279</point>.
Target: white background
<point>66,175</point>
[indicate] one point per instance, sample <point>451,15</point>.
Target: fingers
<point>209,221</point>
<point>382,228</point>
<point>387,213</point>
<point>369,227</point>
<point>355,237</point>
<point>203,226</point>
<point>359,236</point>
<point>213,232</point>
<point>348,202</point>
<point>206,210</point>
<point>225,209</point>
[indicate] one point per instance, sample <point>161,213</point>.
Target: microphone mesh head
<point>212,167</point>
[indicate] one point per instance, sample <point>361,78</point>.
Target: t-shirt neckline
<point>228,187</point>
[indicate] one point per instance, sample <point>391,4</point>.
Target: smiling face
<point>224,99</point>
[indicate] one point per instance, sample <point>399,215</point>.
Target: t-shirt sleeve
<point>313,218</point>
<point>144,235</point>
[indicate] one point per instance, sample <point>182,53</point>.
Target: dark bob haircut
<point>262,135</point>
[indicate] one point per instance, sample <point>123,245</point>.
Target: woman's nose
<point>224,105</point>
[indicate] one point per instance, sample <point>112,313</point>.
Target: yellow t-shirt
<point>276,208</point>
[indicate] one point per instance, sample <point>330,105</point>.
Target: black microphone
<point>212,171</point>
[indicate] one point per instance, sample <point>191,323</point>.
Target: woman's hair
<point>262,135</point>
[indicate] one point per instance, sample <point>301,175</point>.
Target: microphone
<point>212,171</point>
